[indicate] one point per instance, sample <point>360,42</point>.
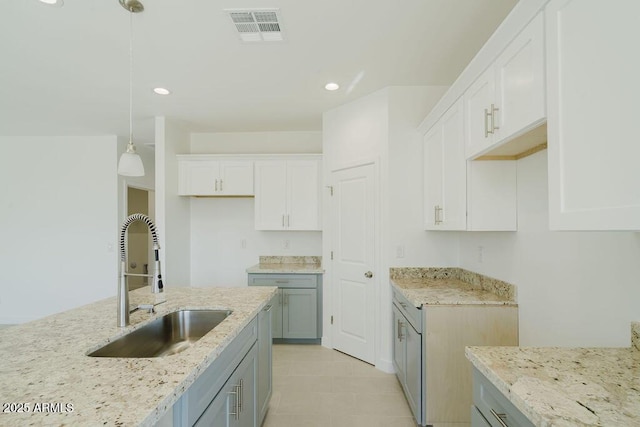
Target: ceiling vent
<point>257,25</point>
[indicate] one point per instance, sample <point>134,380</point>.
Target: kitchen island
<point>551,386</point>
<point>44,363</point>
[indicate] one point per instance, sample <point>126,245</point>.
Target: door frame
<point>327,239</point>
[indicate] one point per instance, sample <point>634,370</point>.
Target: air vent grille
<point>257,25</point>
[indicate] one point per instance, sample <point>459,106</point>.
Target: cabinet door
<point>270,195</point>
<point>593,91</point>
<point>399,352</point>
<point>432,146</point>
<point>264,375</point>
<point>303,195</point>
<point>478,99</point>
<point>413,345</point>
<point>445,172</point>
<point>276,315</point>
<point>299,313</point>
<point>520,83</point>
<point>198,178</point>
<point>245,378</point>
<point>236,178</point>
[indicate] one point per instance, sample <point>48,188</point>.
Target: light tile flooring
<point>317,387</point>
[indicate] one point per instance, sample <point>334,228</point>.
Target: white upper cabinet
<point>593,92</point>
<point>444,172</point>
<point>287,195</point>
<point>203,176</point>
<point>508,99</point>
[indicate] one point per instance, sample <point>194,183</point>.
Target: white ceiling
<point>65,70</point>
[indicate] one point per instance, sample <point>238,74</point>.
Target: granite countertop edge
<point>450,286</point>
<point>114,391</point>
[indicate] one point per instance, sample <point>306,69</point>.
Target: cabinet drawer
<point>284,280</point>
<point>207,386</point>
<point>413,314</point>
<point>494,406</point>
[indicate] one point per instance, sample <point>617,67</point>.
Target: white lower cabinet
<point>593,92</point>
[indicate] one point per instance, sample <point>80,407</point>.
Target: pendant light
<point>130,163</point>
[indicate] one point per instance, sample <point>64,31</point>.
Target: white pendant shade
<point>130,164</point>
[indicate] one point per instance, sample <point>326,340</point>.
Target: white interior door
<point>353,262</point>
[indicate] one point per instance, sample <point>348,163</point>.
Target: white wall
<point>172,211</point>
<point>58,224</point>
<point>381,128</point>
<point>224,242</point>
<point>256,142</point>
<point>574,288</point>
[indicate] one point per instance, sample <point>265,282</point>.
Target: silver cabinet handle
<point>400,336</point>
<point>288,222</point>
<point>500,417</point>
<point>236,405</point>
<point>241,398</point>
<point>282,221</point>
<point>437,214</point>
<point>267,308</point>
<point>282,281</point>
<point>216,189</point>
<point>368,274</point>
<point>403,305</point>
<point>220,185</point>
<point>486,123</point>
<point>494,110</point>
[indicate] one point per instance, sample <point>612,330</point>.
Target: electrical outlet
<point>480,254</point>
<point>243,243</point>
<point>399,251</point>
<point>286,244</point>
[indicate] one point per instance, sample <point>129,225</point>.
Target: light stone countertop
<point>288,265</point>
<point>450,286</point>
<point>45,361</point>
<point>566,387</point>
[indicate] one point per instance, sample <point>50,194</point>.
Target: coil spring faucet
<point>123,287</point>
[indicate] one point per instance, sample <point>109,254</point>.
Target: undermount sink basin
<point>164,336</point>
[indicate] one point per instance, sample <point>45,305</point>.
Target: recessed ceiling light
<point>161,91</point>
<point>52,2</point>
<point>332,86</point>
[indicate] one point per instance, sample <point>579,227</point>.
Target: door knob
<point>368,275</point>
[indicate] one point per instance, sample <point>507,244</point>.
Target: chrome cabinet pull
<point>494,110</point>
<point>368,274</point>
<point>240,400</point>
<point>267,308</point>
<point>220,185</point>
<point>216,187</point>
<point>500,417</point>
<point>235,408</point>
<point>282,281</point>
<point>282,221</point>
<point>288,223</point>
<point>400,336</point>
<point>486,123</point>
<point>437,213</point>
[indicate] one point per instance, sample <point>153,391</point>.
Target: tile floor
<point>317,387</point>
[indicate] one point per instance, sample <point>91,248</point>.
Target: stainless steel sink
<point>169,334</point>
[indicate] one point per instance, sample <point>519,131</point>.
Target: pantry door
<point>354,284</point>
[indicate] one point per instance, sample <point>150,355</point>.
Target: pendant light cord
<point>130,77</point>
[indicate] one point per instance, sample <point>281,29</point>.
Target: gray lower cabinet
<point>235,403</point>
<point>235,389</point>
<point>264,377</point>
<point>297,307</point>
<point>407,360</point>
<point>492,408</point>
